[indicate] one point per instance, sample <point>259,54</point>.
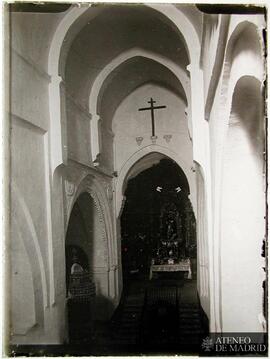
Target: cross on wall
<point>152,108</point>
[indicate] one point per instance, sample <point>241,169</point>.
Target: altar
<point>181,266</point>
<point>175,242</point>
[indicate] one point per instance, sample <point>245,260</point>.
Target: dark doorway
<point>80,289</point>
<point>159,307</point>
<point>157,222</point>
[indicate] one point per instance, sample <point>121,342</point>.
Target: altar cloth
<point>181,266</point>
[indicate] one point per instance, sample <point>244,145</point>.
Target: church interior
<point>137,176</point>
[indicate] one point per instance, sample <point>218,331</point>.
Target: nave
<point>159,310</point>
<point>157,317</point>
<point>154,317</point>
<point>137,172</point>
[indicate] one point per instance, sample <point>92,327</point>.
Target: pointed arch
<point>139,155</point>
<point>78,16</point>
<point>68,28</point>
<point>126,56</point>
<point>113,65</point>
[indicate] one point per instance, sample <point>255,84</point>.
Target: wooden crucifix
<point>152,108</point>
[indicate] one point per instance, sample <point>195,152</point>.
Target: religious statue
<point>171,242</point>
<point>171,230</point>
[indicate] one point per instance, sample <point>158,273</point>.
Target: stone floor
<point>157,317</point>
<point>160,316</point>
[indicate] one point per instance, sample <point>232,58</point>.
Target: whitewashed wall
<point>242,58</point>
<point>35,316</point>
<point>129,123</point>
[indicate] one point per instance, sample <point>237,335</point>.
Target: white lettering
<point>221,347</point>
<point>233,348</point>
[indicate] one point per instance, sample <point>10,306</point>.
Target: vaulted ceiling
<point>114,31</point>
<point>133,74</point>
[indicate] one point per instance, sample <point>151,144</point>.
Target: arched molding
<point>120,184</point>
<point>33,249</point>
<point>74,20</point>
<point>252,83</point>
<point>185,27</point>
<point>218,193</point>
<point>78,16</point>
<point>69,27</point>
<point>230,78</point>
<point>237,25</point>
<point>229,82</point>
<point>91,185</point>
<point>125,57</point>
<point>113,65</point>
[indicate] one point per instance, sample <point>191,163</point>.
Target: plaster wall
<point>258,20</point>
<point>145,31</point>
<point>30,162</point>
<point>247,55</point>
<point>75,75</point>
<point>215,130</point>
<point>78,132</point>
<point>194,15</point>
<point>129,123</point>
<point>21,280</point>
<point>211,37</point>
<point>243,57</point>
<point>36,317</point>
<point>202,245</point>
<point>31,35</point>
<point>107,147</point>
<point>27,82</point>
<point>243,211</point>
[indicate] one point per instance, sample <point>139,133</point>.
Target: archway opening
<point>158,242</point>
<point>80,288</point>
<point>156,211</point>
